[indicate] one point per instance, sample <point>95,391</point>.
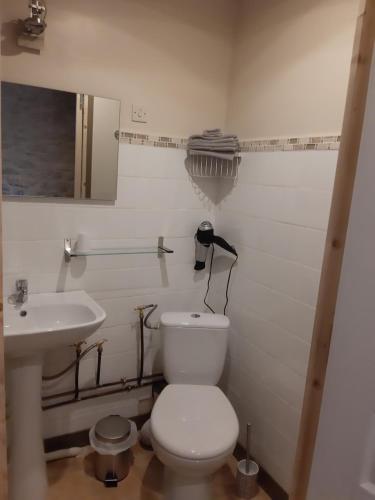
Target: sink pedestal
<point>27,467</point>
<point>47,321</point>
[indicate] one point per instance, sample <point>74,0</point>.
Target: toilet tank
<point>194,347</point>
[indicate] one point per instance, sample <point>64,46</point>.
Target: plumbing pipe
<point>126,388</point>
<point>142,323</point>
<point>141,310</point>
<point>141,364</point>
<point>146,323</point>
<point>99,362</point>
<point>69,367</point>
<point>76,374</point>
<point>122,382</point>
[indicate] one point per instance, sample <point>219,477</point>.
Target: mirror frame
<point>83,148</point>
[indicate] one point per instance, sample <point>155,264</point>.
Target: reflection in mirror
<point>58,144</point>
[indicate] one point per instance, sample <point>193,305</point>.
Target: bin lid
<point>112,429</point>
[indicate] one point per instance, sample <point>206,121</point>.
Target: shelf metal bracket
<point>161,248</point>
<point>67,249</point>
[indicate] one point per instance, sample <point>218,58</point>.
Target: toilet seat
<point>194,422</point>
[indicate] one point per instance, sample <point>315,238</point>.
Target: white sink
<point>46,321</point>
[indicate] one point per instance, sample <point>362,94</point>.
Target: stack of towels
<point>214,143</point>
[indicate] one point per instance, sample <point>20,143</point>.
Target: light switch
<point>139,114</point>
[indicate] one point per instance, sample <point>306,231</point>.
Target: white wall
<point>289,78</point>
<point>172,57</point>
<point>276,216</point>
<point>155,197</point>
<point>291,67</point>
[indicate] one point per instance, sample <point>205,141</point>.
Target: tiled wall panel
<point>155,197</point>
<point>276,215</point>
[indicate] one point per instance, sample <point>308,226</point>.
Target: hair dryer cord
<point>228,282</point>
<point>209,280</point>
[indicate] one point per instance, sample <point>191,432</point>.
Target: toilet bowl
<point>194,430</point>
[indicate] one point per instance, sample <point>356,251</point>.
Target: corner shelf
<point>159,250</point>
<point>209,166</point>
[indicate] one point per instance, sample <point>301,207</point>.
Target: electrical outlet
<point>139,114</point>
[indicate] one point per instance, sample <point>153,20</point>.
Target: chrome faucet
<point>21,291</point>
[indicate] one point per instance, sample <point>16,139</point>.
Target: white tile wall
<point>155,197</point>
<point>276,215</point>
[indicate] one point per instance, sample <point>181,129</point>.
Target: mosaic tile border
<point>313,143</point>
<point>292,144</point>
<point>152,140</point>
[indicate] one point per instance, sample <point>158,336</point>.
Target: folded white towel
<point>218,141</point>
<point>221,137</point>
<point>214,143</point>
<point>212,154</point>
<point>222,148</point>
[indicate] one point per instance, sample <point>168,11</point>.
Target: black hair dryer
<point>204,238</point>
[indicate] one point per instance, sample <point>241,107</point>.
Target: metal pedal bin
<point>112,438</point>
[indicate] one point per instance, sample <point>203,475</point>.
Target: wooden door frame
<point>334,248</point>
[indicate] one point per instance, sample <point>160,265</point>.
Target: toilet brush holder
<point>247,472</point>
<point>247,479</point>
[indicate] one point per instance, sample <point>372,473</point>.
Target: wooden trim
<point>334,249</point>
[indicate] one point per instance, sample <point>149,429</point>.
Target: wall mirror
<point>58,144</point>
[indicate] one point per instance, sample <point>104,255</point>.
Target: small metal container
<point>247,479</point>
<point>247,472</point>
<point>112,430</point>
<point>111,467</point>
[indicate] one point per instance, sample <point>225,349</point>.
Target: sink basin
<point>48,321</point>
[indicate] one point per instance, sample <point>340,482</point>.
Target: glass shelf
<point>119,251</point>
<point>159,250</point>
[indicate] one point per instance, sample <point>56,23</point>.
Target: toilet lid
<point>194,421</point>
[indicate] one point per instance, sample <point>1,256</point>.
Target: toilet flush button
<point>195,315</point>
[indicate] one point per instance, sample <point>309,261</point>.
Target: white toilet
<point>194,428</point>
